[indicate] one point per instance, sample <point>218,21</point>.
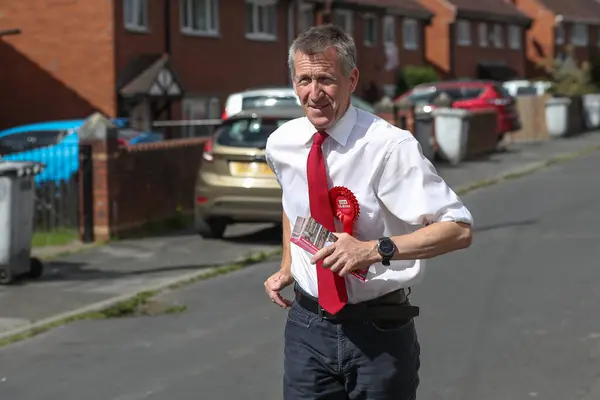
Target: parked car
<point>470,95</point>
<point>56,145</point>
<point>234,182</point>
<point>270,97</point>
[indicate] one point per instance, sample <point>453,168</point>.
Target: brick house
<point>557,23</point>
<point>482,39</point>
<point>172,59</point>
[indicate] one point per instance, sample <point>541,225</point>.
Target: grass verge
<point>142,303</point>
<point>59,237</point>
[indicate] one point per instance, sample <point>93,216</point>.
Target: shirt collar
<point>341,130</point>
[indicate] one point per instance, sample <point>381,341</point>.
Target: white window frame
<point>370,18</point>
<point>484,37</point>
<point>389,26</point>
<point>515,36</point>
<point>463,32</point>
<point>136,24</point>
<point>211,10</point>
<point>410,34</point>
<point>303,10</point>
<point>559,35</point>
<point>348,17</point>
<point>580,35</point>
<point>498,36</point>
<point>259,10</point>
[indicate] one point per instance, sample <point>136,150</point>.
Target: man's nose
<point>315,90</point>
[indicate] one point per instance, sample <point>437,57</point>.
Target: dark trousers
<point>363,360</point>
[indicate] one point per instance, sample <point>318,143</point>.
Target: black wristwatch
<point>386,248</point>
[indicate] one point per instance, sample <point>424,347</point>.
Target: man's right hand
<point>277,282</point>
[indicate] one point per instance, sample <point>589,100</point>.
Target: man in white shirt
<point>350,332</point>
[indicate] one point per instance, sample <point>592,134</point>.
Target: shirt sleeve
<point>271,164</point>
<point>411,189</point>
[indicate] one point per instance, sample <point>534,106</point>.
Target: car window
<point>250,132</point>
<point>469,93</point>
<point>502,91</point>
<point>25,141</point>
<point>268,101</point>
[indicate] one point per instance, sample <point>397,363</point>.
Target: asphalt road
<point>514,317</point>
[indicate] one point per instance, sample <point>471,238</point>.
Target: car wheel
<point>213,228</point>
<point>36,269</point>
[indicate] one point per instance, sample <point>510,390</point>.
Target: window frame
<point>463,33</point>
<point>213,17</point>
<point>370,41</point>
<point>136,25</point>
<point>257,6</point>
<point>409,24</point>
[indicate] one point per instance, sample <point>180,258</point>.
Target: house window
<point>389,29</point>
<point>199,108</point>
<point>559,35</point>
<point>463,33</point>
<point>498,36</point>
<point>135,14</point>
<point>343,19</point>
<point>514,37</point>
<point>306,16</point>
<point>483,35</point>
<point>261,19</point>
<point>579,35</point>
<point>370,27</point>
<point>410,34</point>
<point>200,17</point>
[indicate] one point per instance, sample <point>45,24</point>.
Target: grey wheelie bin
<point>17,202</point>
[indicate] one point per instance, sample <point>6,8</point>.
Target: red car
<point>471,95</point>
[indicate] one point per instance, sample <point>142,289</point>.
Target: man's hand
<point>277,282</point>
<point>347,254</point>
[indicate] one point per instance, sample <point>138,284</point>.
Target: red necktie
<point>332,287</point>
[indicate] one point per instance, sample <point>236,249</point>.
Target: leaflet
<point>311,236</point>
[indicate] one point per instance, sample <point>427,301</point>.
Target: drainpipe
<point>292,4</point>
<point>167,23</point>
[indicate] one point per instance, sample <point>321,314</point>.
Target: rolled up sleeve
<point>410,188</point>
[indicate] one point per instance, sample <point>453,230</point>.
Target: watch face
<point>386,247</point>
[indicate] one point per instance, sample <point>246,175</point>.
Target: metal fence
<point>196,128</point>
<point>57,186</point>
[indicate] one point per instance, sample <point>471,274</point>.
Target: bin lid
<point>20,168</point>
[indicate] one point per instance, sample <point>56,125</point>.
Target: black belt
<point>391,306</point>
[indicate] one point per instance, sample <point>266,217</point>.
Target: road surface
<point>514,317</point>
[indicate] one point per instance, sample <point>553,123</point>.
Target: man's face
<point>324,91</point>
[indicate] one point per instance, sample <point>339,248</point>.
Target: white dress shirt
<point>397,188</point>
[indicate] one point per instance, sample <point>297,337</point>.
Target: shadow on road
<point>508,224</point>
<point>267,236</point>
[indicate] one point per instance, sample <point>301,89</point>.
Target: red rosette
<point>345,206</point>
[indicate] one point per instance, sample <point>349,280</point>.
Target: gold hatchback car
<point>234,183</point>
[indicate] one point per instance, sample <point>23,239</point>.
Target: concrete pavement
<point>513,317</point>
<point>103,275</point>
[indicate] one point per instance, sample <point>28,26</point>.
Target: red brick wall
<point>130,43</point>
<point>437,36</point>
<point>230,62</point>
<point>372,59</point>
<point>61,65</point>
<point>466,58</point>
<point>153,182</point>
<point>540,37</point>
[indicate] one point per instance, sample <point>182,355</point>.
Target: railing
<point>187,128</point>
<point>56,213</point>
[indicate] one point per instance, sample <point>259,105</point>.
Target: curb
<point>193,276</point>
<point>175,282</point>
<point>527,169</point>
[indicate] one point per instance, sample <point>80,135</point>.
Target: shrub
<point>411,76</point>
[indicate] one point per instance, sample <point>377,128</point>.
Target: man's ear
<point>354,75</point>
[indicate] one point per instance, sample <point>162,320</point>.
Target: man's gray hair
<point>318,39</point>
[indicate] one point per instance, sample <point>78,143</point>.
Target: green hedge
<point>411,76</point>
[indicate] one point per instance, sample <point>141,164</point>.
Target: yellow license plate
<point>254,169</point>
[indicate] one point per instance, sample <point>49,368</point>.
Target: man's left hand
<point>347,254</point>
